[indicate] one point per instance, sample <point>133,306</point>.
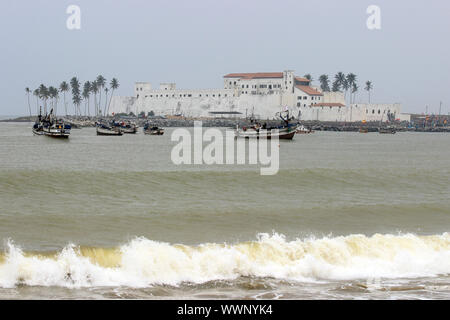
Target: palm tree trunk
<point>100,100</point>
<point>110,98</point>
<point>106,102</point>
<point>29,106</point>
<point>37,105</point>
<point>65,104</point>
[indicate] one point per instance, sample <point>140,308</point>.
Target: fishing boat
<point>301,129</point>
<point>50,126</point>
<point>105,130</point>
<point>388,129</point>
<point>153,130</point>
<point>125,127</point>
<point>256,130</point>
<point>57,130</point>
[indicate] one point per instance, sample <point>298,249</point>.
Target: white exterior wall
<point>262,102</point>
<point>355,112</point>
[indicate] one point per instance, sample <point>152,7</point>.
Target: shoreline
<point>232,122</point>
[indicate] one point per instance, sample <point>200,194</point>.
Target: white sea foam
<point>143,262</point>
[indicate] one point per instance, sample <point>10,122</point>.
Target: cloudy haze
<point>194,43</point>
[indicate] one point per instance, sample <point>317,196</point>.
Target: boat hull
<point>128,130</point>
<point>154,132</point>
<point>285,134</point>
<point>107,132</point>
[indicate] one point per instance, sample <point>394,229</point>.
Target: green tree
<point>368,87</point>
<point>64,87</point>
<point>113,85</point>
<point>101,84</point>
<point>53,94</point>
<point>324,83</point>
<point>43,95</point>
<point>94,89</point>
<point>27,90</point>
<point>36,94</point>
<point>75,84</point>
<point>351,81</point>
<point>86,94</point>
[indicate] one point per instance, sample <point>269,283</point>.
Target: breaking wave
<point>143,262</point>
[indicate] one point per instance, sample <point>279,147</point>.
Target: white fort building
<point>260,94</point>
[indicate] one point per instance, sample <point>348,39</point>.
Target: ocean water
<point>348,216</point>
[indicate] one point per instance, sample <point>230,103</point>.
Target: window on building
<point>299,104</point>
<point>378,111</point>
<point>373,111</point>
<point>189,95</point>
<point>199,95</point>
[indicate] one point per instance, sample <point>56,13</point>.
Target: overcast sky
<point>195,43</point>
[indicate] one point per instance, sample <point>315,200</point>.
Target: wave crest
<point>143,262</point>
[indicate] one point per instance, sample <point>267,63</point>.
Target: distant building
<point>260,94</point>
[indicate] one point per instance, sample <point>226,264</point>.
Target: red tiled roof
<point>328,104</point>
<point>309,90</point>
<point>255,75</point>
<point>302,79</point>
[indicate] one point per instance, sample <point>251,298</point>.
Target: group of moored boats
<point>49,125</point>
<point>388,129</point>
<point>114,128</point>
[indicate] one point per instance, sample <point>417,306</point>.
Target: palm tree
<point>101,84</point>
<point>36,94</point>
<point>345,87</point>
<point>27,90</point>
<point>336,86</point>
<point>368,87</point>
<point>86,94</point>
<point>340,76</point>
<point>75,84</point>
<point>354,90</point>
<point>351,81</point>
<point>309,77</point>
<point>113,85</point>
<point>324,83</point>
<point>63,87</point>
<point>43,94</point>
<point>53,94</point>
<point>94,89</point>
<point>76,99</point>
